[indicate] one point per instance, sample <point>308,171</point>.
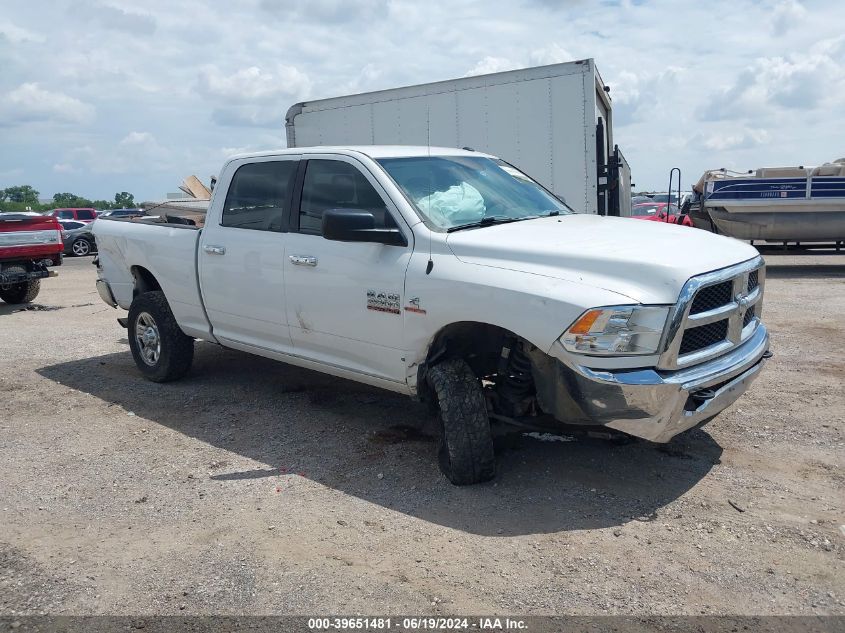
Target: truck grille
<point>753,280</point>
<point>715,313</point>
<point>712,297</point>
<point>749,316</point>
<point>698,338</point>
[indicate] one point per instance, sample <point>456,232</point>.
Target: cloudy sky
<point>99,96</point>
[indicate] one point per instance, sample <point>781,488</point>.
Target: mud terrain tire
<point>466,440</point>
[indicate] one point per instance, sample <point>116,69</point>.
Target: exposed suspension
<point>515,384</point>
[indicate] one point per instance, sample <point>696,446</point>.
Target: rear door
<point>241,254</point>
<point>345,299</point>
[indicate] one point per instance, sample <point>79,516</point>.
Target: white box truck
<point>555,123</point>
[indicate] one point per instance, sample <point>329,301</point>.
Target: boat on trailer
<point>773,203</point>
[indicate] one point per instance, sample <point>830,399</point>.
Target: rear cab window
<point>259,195</point>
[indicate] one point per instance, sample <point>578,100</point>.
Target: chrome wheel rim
<point>80,247</point>
<point>148,339</point>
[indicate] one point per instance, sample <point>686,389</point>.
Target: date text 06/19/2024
<point>416,624</point>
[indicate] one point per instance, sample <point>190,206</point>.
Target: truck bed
<point>162,251</point>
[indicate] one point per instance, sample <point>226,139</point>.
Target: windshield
<point>453,191</point>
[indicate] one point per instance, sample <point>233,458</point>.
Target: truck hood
<point>647,262</point>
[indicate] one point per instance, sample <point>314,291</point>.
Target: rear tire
<point>466,441</point>
<point>20,293</point>
<point>161,350</point>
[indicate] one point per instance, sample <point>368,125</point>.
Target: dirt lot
<point>252,487</point>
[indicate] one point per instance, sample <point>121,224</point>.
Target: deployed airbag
<point>459,204</point>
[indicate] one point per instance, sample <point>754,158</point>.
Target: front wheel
<point>466,440</point>
<point>161,350</point>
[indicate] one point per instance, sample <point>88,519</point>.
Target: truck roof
<point>373,151</point>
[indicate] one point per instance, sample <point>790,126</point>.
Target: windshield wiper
<point>488,221</point>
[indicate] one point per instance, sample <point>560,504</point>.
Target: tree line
<point>23,197</point>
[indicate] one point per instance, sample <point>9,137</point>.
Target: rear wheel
<point>22,292</point>
<point>466,440</point>
<point>161,350</point>
<point>81,247</point>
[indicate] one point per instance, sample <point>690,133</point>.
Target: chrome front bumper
<point>649,403</point>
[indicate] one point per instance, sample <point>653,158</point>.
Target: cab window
<point>85,214</point>
<point>258,197</point>
<point>333,184</point>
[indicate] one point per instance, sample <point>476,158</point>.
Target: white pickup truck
<point>450,276</point>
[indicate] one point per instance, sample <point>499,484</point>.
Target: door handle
<point>303,260</point>
<point>214,250</point>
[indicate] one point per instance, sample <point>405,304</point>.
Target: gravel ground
<point>252,487</point>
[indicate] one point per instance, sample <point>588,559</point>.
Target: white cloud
<point>16,34</point>
<point>552,54</point>
<point>334,11</point>
<point>253,83</point>
<point>721,141</point>
<point>364,80</point>
<point>134,150</point>
<point>492,65</point>
<point>114,17</point>
<point>786,15</point>
<point>252,96</point>
<point>31,103</point>
<point>640,95</point>
<point>138,139</point>
<point>688,88</point>
<point>802,81</point>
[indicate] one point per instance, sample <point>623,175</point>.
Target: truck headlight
<point>617,331</point>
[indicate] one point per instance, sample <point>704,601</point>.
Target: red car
<point>84,214</point>
<point>656,212</point>
<point>29,243</point>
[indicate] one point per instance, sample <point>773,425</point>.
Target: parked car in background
<point>78,214</point>
<point>122,213</point>
<point>29,243</point>
<point>657,211</point>
<point>640,200</point>
<point>77,238</point>
<point>665,197</point>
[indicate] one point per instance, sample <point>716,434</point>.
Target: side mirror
<point>354,225</point>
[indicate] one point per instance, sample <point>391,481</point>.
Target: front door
<point>344,299</point>
<point>241,257</point>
